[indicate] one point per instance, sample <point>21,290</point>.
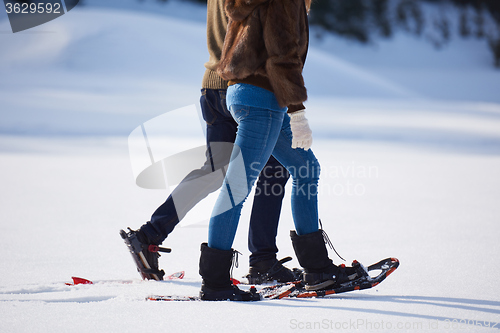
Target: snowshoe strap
<point>276,267</point>
<point>155,249</point>
<point>360,269</point>
<point>284,260</point>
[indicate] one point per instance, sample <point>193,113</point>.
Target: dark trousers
<point>270,189</point>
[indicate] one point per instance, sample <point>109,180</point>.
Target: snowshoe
<point>145,255</point>
<point>366,280</point>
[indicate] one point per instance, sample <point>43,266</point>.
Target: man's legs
<point>193,188</point>
<point>221,127</point>
<point>266,211</point>
<point>263,228</point>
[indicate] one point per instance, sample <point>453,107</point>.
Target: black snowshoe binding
<point>337,276</point>
<point>348,274</point>
<point>145,255</point>
<point>273,271</point>
<point>319,271</point>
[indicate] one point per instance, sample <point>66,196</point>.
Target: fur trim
<point>238,10</point>
<point>270,41</point>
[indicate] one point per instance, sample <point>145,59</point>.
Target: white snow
<point>408,139</point>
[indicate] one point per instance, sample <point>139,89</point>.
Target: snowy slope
<point>437,212</point>
<point>410,155</point>
<point>94,62</point>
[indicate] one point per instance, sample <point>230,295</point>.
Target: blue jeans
<point>266,210</point>
<point>263,132</point>
<point>221,127</point>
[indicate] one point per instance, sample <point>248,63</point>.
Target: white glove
<point>302,134</point>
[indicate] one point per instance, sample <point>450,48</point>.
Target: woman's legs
<point>304,169</point>
<point>258,131</point>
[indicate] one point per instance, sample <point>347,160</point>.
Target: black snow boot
<point>272,270</point>
<point>319,270</point>
<point>144,254</point>
<point>215,267</point>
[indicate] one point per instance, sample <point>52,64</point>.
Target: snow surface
<point>408,139</point>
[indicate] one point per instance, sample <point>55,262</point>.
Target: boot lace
<point>328,241</point>
<point>234,261</point>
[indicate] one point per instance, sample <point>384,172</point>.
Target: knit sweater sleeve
<point>216,32</point>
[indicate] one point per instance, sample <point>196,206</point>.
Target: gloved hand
<point>302,134</point>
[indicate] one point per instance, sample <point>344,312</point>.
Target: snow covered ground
<point>408,139</point>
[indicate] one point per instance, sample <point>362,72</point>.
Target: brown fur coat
<point>266,45</point>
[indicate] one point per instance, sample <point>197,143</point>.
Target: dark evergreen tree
<point>344,17</point>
